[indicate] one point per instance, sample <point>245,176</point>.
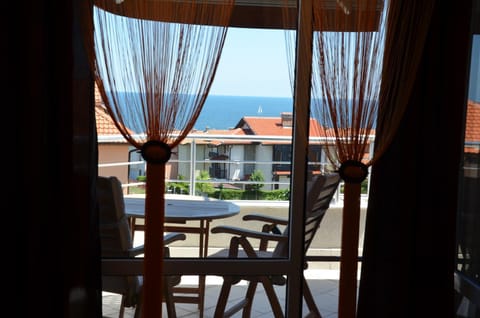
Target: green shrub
<point>252,195</point>
<point>178,187</point>
<point>228,194</point>
<point>136,190</point>
<point>280,195</point>
<point>204,188</point>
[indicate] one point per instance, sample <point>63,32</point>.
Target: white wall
<point>264,153</point>
<point>184,154</point>
<point>236,153</point>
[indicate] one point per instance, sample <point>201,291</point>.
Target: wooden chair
<point>116,242</point>
<point>320,191</point>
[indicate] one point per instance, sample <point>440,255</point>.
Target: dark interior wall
<point>410,229</point>
<point>53,91</point>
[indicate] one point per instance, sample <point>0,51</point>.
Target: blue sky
<point>474,89</point>
<point>253,63</point>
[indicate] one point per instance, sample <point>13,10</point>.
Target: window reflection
<point>468,240</point>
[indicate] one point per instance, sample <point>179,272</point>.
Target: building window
<point>218,170</point>
<point>249,155</point>
<point>282,153</point>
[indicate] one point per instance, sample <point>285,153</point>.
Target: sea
<point>224,112</point>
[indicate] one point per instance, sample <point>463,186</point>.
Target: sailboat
<point>259,110</point>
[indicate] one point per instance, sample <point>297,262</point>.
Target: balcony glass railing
<point>227,167</point>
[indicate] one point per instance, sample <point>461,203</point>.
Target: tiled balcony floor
<point>323,283</point>
<point>322,278</point>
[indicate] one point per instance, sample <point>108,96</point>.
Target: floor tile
<point>323,284</point>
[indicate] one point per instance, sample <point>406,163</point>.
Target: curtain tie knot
<point>353,171</point>
<point>155,151</point>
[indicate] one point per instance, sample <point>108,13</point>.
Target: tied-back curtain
<point>346,79</point>
<point>154,63</point>
<point>365,54</point>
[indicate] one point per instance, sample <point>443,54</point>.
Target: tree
<point>256,175</point>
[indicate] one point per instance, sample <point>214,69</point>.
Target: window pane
<point>468,222</point>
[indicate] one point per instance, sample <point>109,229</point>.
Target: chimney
<point>287,119</point>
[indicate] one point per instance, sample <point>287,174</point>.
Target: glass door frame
<point>292,266</point>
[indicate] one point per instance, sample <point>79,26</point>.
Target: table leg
<point>205,225</point>
<point>201,245</point>
<point>205,229</point>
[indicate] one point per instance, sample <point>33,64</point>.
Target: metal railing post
<point>193,165</point>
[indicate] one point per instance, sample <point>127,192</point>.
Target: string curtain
<point>346,77</point>
<point>365,54</point>
<point>154,63</point>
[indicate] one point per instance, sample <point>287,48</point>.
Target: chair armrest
<point>137,250</point>
<point>172,237</point>
<point>265,218</point>
<point>248,233</point>
<point>167,239</point>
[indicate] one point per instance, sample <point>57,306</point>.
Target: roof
<point>280,126</point>
<point>206,140</point>
<point>256,126</point>
<point>232,132</point>
<point>272,126</point>
<point>472,127</point>
<point>105,124</point>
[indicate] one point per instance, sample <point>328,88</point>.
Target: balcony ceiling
<point>247,13</point>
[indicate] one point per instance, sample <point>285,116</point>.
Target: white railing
<point>195,140</point>
<point>192,182</point>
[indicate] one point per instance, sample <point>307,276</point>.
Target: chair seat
<point>278,280</point>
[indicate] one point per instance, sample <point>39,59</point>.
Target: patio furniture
<point>320,191</point>
<point>180,209</point>
<point>117,242</point>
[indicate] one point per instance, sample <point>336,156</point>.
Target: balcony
<point>322,279</point>
<point>323,271</point>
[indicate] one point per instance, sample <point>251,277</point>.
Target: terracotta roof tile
<point>105,124</point>
<point>272,126</point>
<point>227,132</point>
<point>233,132</point>
<point>472,126</point>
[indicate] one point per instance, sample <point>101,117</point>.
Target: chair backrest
<point>115,236</point>
<point>320,191</point>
